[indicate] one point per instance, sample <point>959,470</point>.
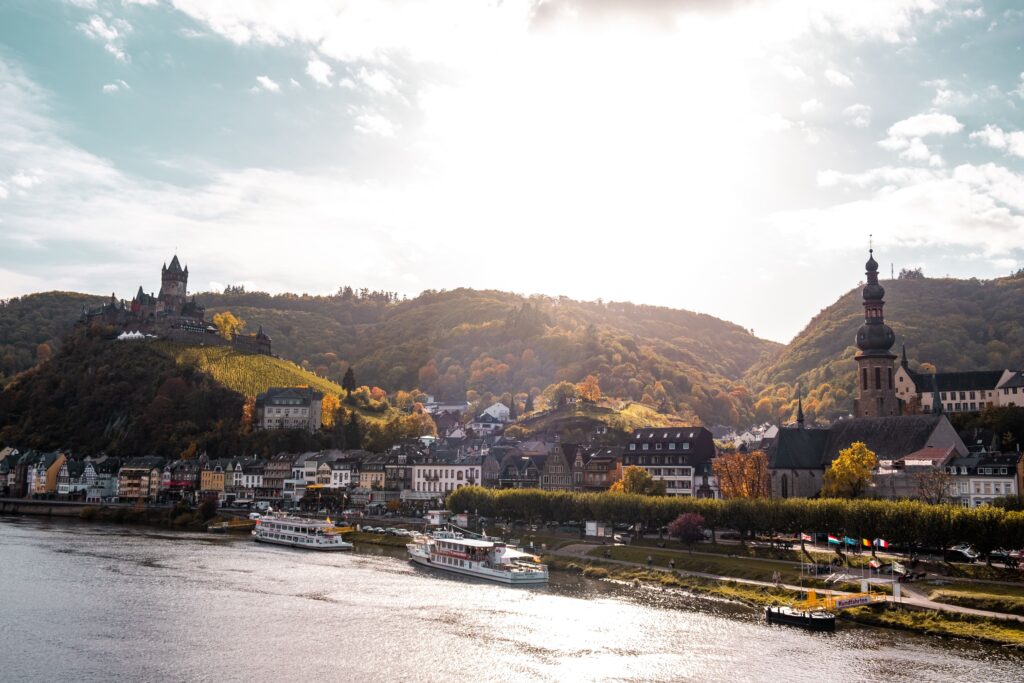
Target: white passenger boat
<point>297,532</point>
<point>491,560</point>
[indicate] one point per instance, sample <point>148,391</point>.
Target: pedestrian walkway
<point>911,597</point>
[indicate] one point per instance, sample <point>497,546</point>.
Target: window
<point>864,378</point>
<point>890,378</point>
<point>657,446</point>
<point>632,446</point>
<point>672,446</point>
<point>972,396</point>
<point>878,378</point>
<point>647,446</point>
<point>686,446</point>
<point>963,395</point>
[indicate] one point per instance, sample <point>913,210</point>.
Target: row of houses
<point>419,471</point>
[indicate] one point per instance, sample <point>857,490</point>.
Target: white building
<point>289,408</point>
<point>980,478</point>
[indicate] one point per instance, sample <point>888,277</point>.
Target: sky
<point>729,157</point>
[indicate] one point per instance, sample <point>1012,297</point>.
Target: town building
<point>980,478</point>
<point>959,392</point>
<point>679,456</point>
<point>289,408</point>
<point>138,480</point>
<point>42,472</point>
<point>442,477</point>
<point>74,479</point>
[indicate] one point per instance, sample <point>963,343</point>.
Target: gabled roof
<point>798,449</point>
<point>889,437</point>
<point>1017,380</point>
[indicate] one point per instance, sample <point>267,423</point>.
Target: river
<point>91,602</point>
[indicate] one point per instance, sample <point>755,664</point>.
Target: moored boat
<point>812,620</point>
<point>297,532</point>
<point>485,559</point>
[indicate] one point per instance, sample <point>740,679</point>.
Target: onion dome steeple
<point>874,338</point>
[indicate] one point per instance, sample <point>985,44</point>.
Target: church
<point>799,455</point>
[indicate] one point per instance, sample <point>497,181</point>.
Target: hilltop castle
<point>171,315</point>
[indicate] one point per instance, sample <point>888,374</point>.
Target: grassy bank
<point>927,622</point>
<point>1007,604</point>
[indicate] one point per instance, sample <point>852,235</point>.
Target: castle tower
<point>877,397</point>
<point>173,286</point>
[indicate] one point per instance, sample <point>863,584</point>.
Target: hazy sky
<point>725,157</point>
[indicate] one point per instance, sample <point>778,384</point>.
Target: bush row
<point>904,522</point>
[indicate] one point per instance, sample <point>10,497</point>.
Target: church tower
<point>173,286</point>
<point>877,397</point>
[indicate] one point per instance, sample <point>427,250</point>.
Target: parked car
<point>960,555</point>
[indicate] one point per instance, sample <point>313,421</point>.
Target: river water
<point>90,602</point>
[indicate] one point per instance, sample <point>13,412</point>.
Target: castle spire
<point>799,407</point>
<point>936,399</point>
<point>903,362</point>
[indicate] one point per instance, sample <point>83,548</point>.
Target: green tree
<point>850,473</point>
<point>638,481</point>
<point>353,432</point>
<point>348,382</point>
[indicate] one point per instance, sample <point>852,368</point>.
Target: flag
<point>881,543</point>
<point>833,539</point>
<point>806,537</point>
<point>865,542</point>
<point>849,541</point>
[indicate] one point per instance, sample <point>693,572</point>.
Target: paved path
<point>910,596</point>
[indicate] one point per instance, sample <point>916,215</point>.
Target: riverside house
<point>679,456</point>
<point>42,473</point>
<point>138,480</point>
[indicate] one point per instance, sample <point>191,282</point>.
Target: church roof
<point>957,381</point>
<point>890,438</point>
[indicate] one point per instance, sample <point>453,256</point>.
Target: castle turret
<point>173,286</point>
<point>875,339</point>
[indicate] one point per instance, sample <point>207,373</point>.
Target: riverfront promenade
<point>911,596</point>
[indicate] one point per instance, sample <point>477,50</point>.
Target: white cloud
<point>1012,142</point>
<point>111,35</point>
<point>266,83</point>
<point>907,135</point>
<point>373,123</point>
<point>921,125</point>
<point>1019,90</point>
<point>319,71</point>
<point>789,70</point>
<point>84,4</point>
<point>885,177</point>
<point>378,81</point>
<point>144,3</point>
<point>294,83</point>
<point>114,87</point>
<point>976,207</point>
<point>811,106</point>
<point>3,191</point>
<point>858,115</point>
<point>838,78</point>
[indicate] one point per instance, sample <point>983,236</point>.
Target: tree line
<point>907,523</point>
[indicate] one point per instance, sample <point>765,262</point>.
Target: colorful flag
<point>833,539</point>
<point>806,537</point>
<point>865,542</point>
<point>881,543</point>
<point>849,541</point>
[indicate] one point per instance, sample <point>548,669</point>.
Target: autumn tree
<point>43,352</point>
<point>742,475</point>
<point>189,452</point>
<point>348,382</point>
<point>560,394</point>
<point>850,473</point>
<point>589,390</point>
<point>329,406</point>
<point>227,324</point>
<point>639,481</point>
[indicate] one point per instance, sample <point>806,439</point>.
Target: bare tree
<point>933,485</point>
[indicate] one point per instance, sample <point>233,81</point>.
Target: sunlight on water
<point>88,602</point>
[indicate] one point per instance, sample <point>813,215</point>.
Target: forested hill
<point>32,327</point>
<point>492,343</point>
<point>952,324</point>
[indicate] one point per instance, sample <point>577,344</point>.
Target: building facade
<point>289,408</point>
<point>679,456</point>
<point>875,360</point>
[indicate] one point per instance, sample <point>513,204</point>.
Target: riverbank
<point>754,594</point>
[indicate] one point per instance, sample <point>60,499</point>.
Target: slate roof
<point>957,381</point>
<point>1016,381</point>
<point>891,438</point>
<point>798,449</point>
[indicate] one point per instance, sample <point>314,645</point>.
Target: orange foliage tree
<point>742,475</point>
<point>589,389</point>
